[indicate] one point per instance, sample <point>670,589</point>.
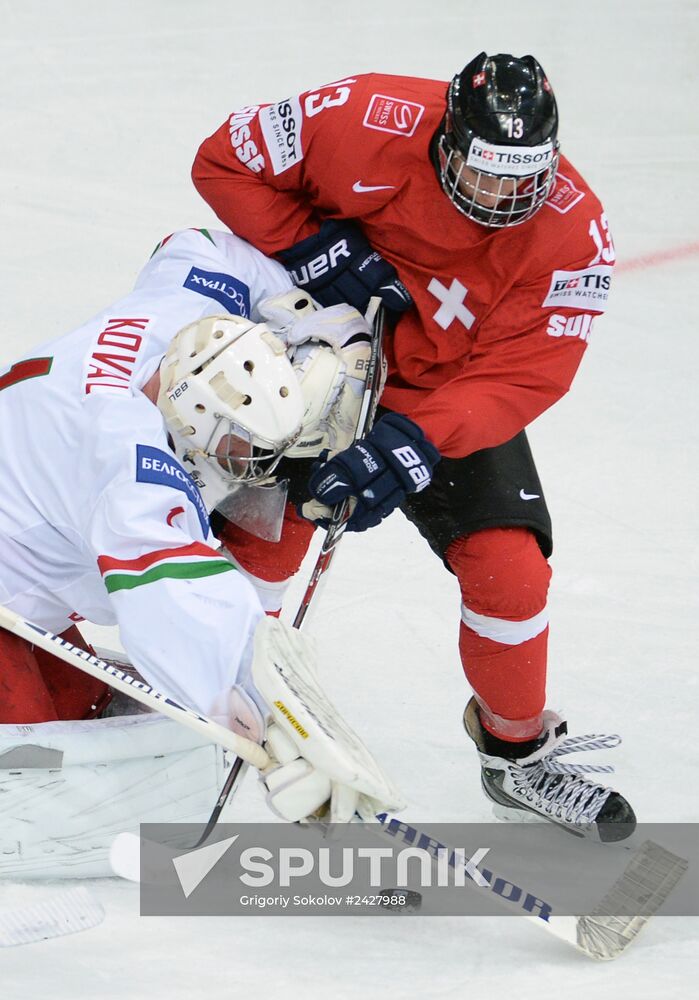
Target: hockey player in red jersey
<point>454,204</point>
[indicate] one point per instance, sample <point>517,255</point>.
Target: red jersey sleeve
<point>260,170</point>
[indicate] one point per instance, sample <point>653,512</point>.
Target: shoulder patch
<point>586,289</point>
<point>234,295</point>
<point>162,469</point>
<point>564,195</point>
<point>281,127</point>
<point>392,114</point>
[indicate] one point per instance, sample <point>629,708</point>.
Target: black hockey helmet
<point>497,149</point>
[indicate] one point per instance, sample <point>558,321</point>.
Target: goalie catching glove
<point>321,767</point>
<point>377,472</point>
<point>330,351</point>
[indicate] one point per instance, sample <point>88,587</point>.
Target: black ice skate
<point>525,780</point>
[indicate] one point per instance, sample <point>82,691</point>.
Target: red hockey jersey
<point>501,316</point>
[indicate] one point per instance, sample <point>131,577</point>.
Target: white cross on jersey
<point>452,306</point>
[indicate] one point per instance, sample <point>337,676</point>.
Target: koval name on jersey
<point>113,368</point>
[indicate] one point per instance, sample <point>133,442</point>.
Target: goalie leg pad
<point>284,673</point>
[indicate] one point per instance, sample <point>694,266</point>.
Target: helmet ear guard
<point>496,152</point>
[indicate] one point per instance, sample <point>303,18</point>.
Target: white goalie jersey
<point>97,517</point>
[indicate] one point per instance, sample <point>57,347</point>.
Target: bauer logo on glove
<point>378,471</point>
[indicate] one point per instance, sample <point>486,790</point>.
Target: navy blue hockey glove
<point>337,264</point>
<point>394,459</point>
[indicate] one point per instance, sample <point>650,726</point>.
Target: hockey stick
<point>645,884</point>
<point>341,513</point>
<point>136,688</point>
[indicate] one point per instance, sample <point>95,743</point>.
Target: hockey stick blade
<point>645,884</point>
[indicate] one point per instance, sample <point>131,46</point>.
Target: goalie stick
<point>135,687</point>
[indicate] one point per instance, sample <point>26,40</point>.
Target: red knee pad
<point>270,561</point>
<point>501,571</point>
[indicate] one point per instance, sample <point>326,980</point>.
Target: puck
<point>401,900</point>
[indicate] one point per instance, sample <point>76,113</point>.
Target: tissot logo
<point>588,288</point>
<point>584,281</point>
<point>281,127</point>
<point>516,161</point>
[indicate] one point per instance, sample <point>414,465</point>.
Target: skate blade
<point>510,814</point>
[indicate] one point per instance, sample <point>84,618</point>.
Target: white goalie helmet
<point>231,402</point>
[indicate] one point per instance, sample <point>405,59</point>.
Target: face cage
<point>251,463</point>
<point>530,192</point>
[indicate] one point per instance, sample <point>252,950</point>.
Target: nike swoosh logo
<point>363,188</point>
<point>334,487</point>
<point>528,496</point>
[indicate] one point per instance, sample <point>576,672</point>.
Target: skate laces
<point>561,788</point>
<point>578,744</point>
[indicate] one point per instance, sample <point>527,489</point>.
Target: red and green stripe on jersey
<point>204,232</point>
<point>185,562</point>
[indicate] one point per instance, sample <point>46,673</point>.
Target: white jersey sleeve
<point>217,266</point>
<point>186,617</point>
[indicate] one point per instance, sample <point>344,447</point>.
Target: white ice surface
<point>102,106</point>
